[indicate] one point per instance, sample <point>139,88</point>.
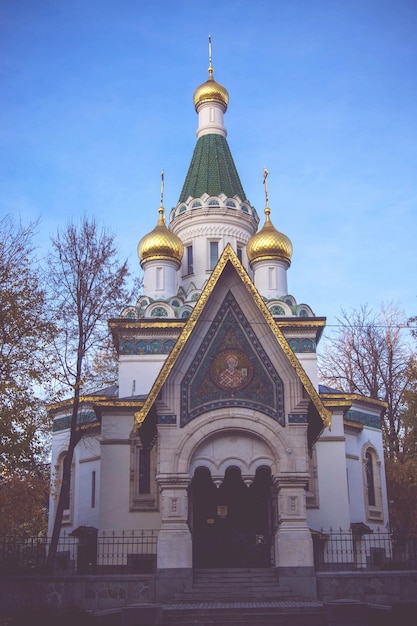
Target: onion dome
<point>269,243</point>
<point>160,243</point>
<point>211,91</point>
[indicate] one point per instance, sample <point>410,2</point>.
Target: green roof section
<point>212,170</point>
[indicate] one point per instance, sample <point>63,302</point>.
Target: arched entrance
<point>231,524</point>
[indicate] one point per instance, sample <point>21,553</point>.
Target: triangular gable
<point>229,256</point>
<point>231,368</point>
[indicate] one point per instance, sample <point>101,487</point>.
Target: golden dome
<point>211,91</point>
<point>160,243</point>
<point>269,243</point>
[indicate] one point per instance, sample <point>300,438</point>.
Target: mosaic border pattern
<point>367,419</point>
<point>167,419</point>
<point>143,346</point>
<point>297,418</point>
<point>302,345</point>
<point>64,422</point>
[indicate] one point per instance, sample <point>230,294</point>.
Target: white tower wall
<point>160,278</point>
<point>270,277</point>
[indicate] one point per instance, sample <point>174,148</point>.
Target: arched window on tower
<point>213,254</point>
<point>190,263</point>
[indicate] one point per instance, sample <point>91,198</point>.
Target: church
<point>218,436</point>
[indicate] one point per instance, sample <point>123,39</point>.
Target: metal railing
<point>372,551</point>
<point>134,552</point>
<point>103,552</point>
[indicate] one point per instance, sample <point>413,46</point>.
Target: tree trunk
<point>64,492</point>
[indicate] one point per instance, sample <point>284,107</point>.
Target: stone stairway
<point>245,614</point>
<point>240,597</point>
<point>235,584</point>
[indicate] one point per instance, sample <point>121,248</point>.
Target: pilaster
<point>293,541</point>
<point>174,539</point>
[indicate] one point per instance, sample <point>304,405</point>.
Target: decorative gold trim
<point>120,403</point>
<point>351,424</point>
<point>229,256</point>
<point>145,323</point>
<point>70,401</point>
<point>351,397</point>
<point>307,322</point>
<point>336,402</point>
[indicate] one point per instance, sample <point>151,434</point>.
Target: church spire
<point>212,170</point>
<point>210,101</point>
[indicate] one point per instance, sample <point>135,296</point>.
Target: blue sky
<point>96,99</point>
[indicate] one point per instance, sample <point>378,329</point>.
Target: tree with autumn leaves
<point>54,339</point>
<point>87,285</point>
<point>370,353</point>
<point>25,332</point>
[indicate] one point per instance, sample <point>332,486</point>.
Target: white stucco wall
<point>332,480</point>
<point>137,374</point>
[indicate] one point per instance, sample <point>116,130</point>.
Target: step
<point>235,585</point>
<point>245,614</point>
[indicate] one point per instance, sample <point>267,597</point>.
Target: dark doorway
<point>231,524</point>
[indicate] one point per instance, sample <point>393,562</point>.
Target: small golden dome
<point>269,243</point>
<point>211,91</point>
<point>160,243</point>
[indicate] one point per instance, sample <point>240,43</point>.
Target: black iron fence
<point>88,552</point>
<point>371,551</point>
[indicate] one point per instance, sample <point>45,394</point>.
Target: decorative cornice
<point>360,418</point>
<point>63,404</point>
<point>336,402</point>
<point>128,323</point>
<point>291,324</point>
<point>303,322</point>
<point>229,256</point>
<point>115,404</point>
<point>352,424</point>
<point>352,397</point>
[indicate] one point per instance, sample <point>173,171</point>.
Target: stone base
<point>145,614</point>
<point>172,581</point>
<point>299,580</point>
<point>346,613</point>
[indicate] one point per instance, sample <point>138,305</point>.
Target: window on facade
<point>144,471</point>
<point>143,487</point>
<point>239,253</point>
<point>190,263</point>
<point>159,277</point>
<point>370,479</point>
<point>312,488</point>
<point>68,502</point>
<point>93,489</point>
<point>272,278</point>
<point>372,484</point>
<point>214,254</point>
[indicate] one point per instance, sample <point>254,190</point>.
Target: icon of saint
<point>231,377</point>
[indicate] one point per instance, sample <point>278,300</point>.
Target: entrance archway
<point>231,524</point>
